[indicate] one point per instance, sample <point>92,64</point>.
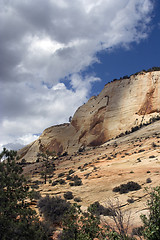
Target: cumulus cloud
<point>45,47</point>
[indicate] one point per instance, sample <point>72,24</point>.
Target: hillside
<point>134,157</point>
<point>121,106</point>
<point>113,139</point>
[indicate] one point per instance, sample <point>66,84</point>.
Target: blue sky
<point>126,61</point>
<point>56,54</point>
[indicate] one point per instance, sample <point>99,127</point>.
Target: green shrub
<point>86,164</point>
<point>137,231</point>
<point>53,208</point>
<point>141,150</point>
<point>23,161</point>
<point>64,154</point>
<point>62,181</point>
<point>54,183</point>
<point>77,199</point>
<point>148,180</point>
<point>116,189</point>
<point>130,200</point>
<point>69,177</point>
<point>35,195</point>
<point>76,181</point>
<point>138,159</point>
<point>37,182</point>
<point>61,175</point>
<point>125,188</point>
<point>152,222</point>
<point>81,226</point>
<point>68,195</point>
<point>154,145</point>
<point>71,171</point>
<point>98,209</point>
<point>71,184</point>
<point>34,186</point>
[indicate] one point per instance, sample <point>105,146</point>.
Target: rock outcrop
<point>121,105</point>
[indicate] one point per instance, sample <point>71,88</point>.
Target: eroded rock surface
<point>121,105</point>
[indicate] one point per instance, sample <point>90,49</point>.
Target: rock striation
<point>121,105</point>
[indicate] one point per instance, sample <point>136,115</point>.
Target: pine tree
<point>152,222</point>
<point>47,166</point>
<point>17,219</point>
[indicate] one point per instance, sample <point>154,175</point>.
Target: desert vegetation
<point>53,208</point>
<point>17,219</point>
<point>142,124</point>
<point>68,195</point>
<point>127,187</point>
<point>75,181</point>
<point>153,69</point>
<point>56,211</point>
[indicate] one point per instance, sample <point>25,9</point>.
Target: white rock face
<point>121,105</point>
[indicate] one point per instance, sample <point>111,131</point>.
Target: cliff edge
<point>121,105</point>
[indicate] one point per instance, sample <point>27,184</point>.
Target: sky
<point>54,55</point>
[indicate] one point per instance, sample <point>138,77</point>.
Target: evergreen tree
<point>17,220</point>
<point>78,225</point>
<point>152,222</point>
<point>47,166</point>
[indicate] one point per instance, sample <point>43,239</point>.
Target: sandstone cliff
<point>121,105</point>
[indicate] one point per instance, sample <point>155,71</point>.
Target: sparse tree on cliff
<point>48,167</point>
<point>70,118</point>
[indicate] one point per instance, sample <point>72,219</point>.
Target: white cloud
<point>19,142</point>
<point>43,107</point>
<point>43,42</point>
<point>28,138</point>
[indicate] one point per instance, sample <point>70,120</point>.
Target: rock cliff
<point>121,105</point>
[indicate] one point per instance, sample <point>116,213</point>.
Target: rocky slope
<point>121,105</point>
<point>133,157</point>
